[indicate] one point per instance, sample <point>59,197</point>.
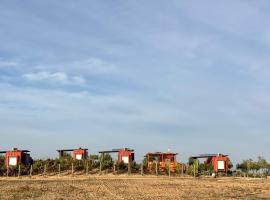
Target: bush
<point>179,167</point>
<point>52,165</point>
<point>121,166</point>
<point>107,162</point>
<point>79,165</point>
<point>38,166</point>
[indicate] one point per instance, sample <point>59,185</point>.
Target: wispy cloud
<point>56,77</point>
<point>86,66</point>
<point>5,63</point>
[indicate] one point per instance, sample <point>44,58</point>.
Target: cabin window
<point>221,165</point>
<point>12,161</point>
<point>78,156</point>
<point>125,159</point>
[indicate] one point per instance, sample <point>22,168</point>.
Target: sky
<point>189,75</point>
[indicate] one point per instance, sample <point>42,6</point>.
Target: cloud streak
<point>56,77</point>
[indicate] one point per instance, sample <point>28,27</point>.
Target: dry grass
<point>133,187</point>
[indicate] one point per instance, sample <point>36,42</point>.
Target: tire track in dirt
<point>84,189</point>
<point>108,189</point>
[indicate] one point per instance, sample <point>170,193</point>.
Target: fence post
<point>87,167</point>
<point>72,168</point>
<point>182,170</point>
<point>100,166</point>
<point>169,169</point>
<point>129,168</point>
<point>19,173</point>
<point>114,167</point>
<point>7,171</point>
<point>156,168</point>
<point>44,172</point>
<point>31,171</point>
<point>59,169</point>
<point>142,169</point>
<point>194,169</point>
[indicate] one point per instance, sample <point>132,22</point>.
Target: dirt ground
<point>133,187</point>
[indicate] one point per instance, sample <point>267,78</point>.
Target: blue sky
<point>189,75</point>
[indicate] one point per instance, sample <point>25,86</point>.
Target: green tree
<point>263,165</point>
<point>106,160</point>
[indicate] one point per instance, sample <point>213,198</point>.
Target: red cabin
<point>80,154</point>
<point>162,160</point>
<point>77,154</point>
<point>125,154</point>
<point>219,162</point>
<point>17,157</point>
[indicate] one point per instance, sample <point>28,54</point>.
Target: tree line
<point>255,168</point>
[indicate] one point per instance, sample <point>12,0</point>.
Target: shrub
<point>107,162</point>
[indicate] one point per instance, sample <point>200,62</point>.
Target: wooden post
<point>87,167</point>
<point>72,168</point>
<point>129,168</point>
<point>59,169</point>
<point>142,169</point>
<point>197,167</point>
<point>19,173</point>
<point>100,166</point>
<point>44,171</point>
<point>100,163</point>
<point>194,169</point>
<point>248,168</point>
<point>182,169</point>
<point>7,171</point>
<point>31,171</point>
<point>169,169</point>
<point>114,167</point>
<point>156,168</point>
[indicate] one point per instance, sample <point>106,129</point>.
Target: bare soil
<point>133,187</point>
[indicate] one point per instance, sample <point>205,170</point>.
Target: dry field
<point>133,187</point>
